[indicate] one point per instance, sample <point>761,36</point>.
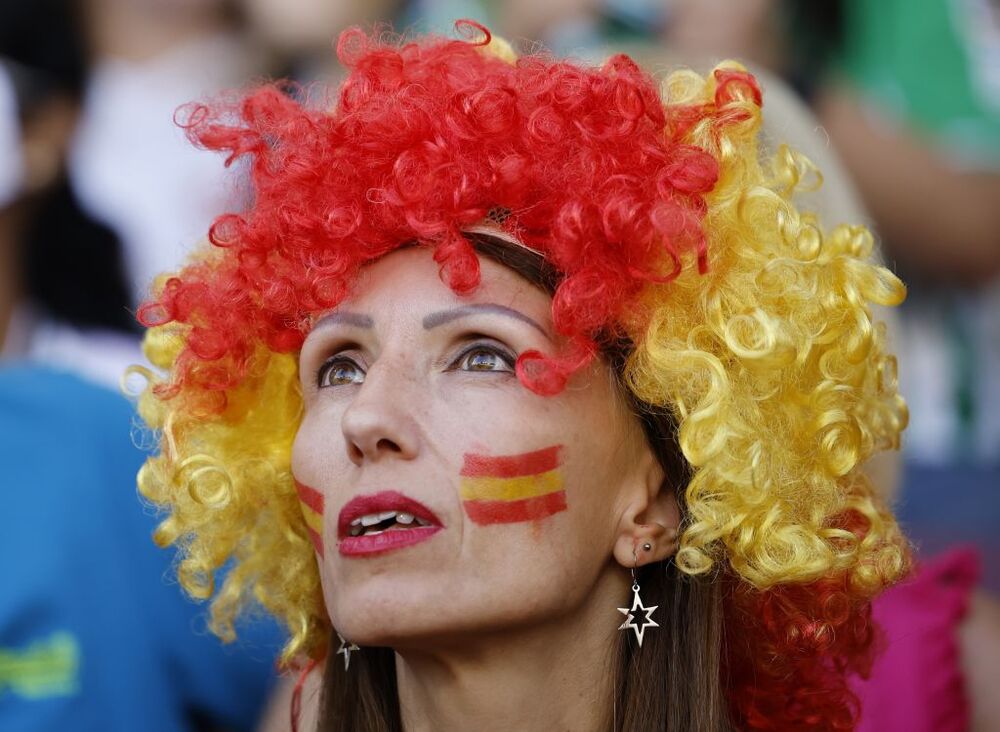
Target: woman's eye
<point>340,371</point>
<point>483,358</point>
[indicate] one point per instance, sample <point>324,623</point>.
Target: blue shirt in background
<point>95,634</point>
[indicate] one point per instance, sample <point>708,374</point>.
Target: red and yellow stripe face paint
<point>311,503</point>
<point>503,489</point>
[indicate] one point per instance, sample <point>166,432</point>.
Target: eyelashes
<point>482,356</point>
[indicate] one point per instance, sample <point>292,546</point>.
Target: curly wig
<point>748,321</point>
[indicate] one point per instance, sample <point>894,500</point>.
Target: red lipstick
<point>411,523</point>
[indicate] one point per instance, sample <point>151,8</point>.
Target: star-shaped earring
<point>346,647</point>
<point>630,615</point>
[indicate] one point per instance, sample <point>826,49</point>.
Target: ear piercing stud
<point>646,547</point>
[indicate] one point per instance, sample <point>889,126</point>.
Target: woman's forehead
<point>410,280</point>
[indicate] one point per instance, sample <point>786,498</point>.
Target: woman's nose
<point>379,423</point>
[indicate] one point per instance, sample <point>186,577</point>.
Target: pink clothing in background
<point>917,684</point>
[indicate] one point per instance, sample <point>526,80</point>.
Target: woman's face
<point>447,498</point>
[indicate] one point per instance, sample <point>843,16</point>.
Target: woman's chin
<point>410,626</point>
<point>399,621</point>
<point>399,634</point>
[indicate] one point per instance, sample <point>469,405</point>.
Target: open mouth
<point>378,523</point>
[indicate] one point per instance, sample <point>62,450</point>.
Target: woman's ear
<point>651,519</point>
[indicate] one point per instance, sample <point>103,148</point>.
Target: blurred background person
<point>910,95</point>
<point>63,298</point>
<point>299,34</point>
<point>93,635</point>
<point>130,164</point>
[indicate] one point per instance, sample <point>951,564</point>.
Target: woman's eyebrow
<point>441,317</point>
<point>345,317</point>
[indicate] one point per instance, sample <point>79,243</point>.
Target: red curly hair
<point>586,165</point>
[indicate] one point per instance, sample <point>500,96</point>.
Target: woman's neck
<point>554,676</point>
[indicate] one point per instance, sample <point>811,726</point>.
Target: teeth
<point>374,518</point>
<point>361,525</point>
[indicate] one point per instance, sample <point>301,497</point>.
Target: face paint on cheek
<point>311,503</point>
<point>504,489</point>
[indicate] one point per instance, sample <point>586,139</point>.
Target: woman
<point>507,356</point>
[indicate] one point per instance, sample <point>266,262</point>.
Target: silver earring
<point>345,649</point>
<point>631,613</point>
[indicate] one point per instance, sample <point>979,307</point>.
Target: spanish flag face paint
<point>311,503</point>
<point>502,489</point>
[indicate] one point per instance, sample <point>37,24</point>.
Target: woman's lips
<point>390,539</point>
<point>370,545</point>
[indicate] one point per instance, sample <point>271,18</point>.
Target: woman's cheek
<point>312,504</point>
<point>512,488</point>
<point>308,469</point>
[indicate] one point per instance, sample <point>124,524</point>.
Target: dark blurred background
<point>898,102</point>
